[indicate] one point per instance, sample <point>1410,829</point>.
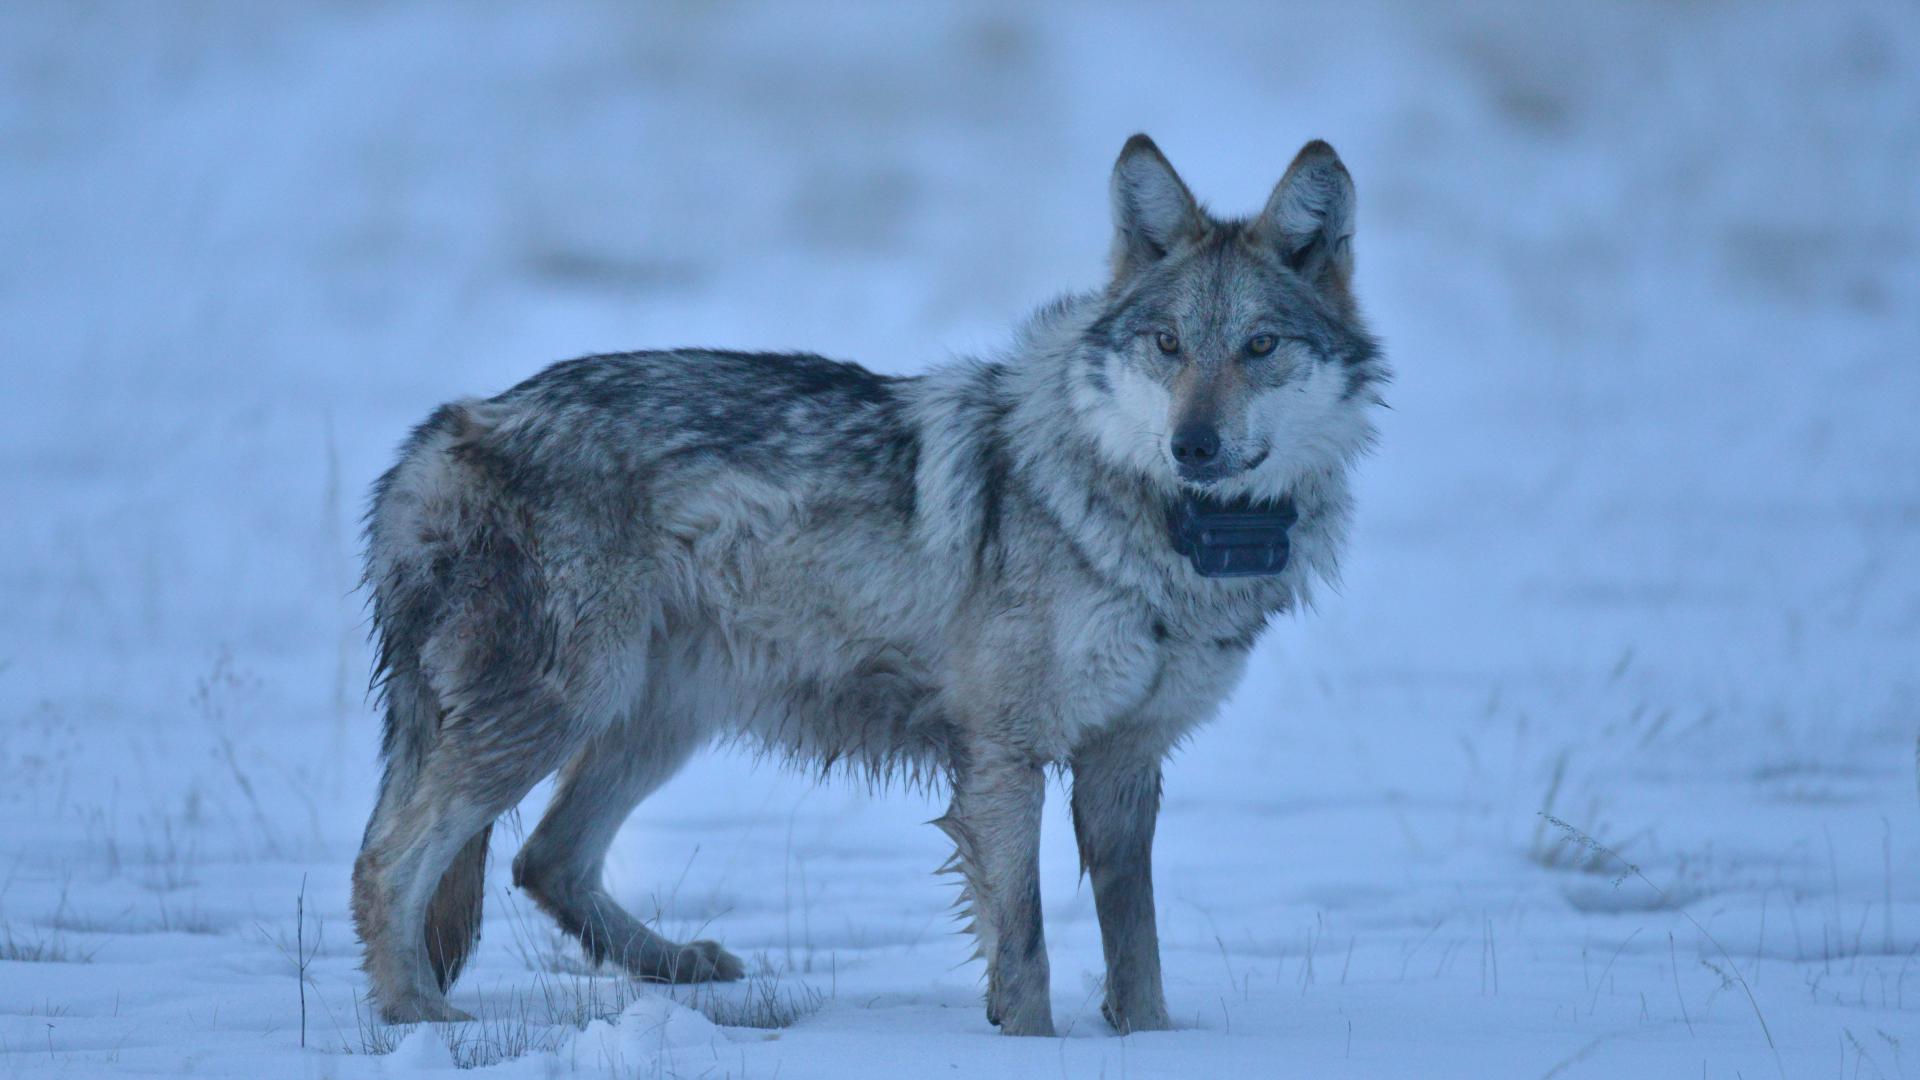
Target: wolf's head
<point>1230,357</point>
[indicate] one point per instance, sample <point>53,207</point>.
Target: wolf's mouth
<point>1206,476</point>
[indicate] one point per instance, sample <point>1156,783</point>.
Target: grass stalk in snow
<point>1673,959</point>
<point>1583,840</point>
<point>762,1002</point>
<point>569,992</point>
<point>51,948</point>
<point>300,954</point>
<point>546,1017</point>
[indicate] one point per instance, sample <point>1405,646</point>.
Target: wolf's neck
<point>1112,514</point>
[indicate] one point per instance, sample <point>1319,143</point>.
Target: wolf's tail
<point>453,914</point>
<point>453,917</point>
<point>407,578</point>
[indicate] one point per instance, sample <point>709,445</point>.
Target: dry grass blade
<point>1581,838</point>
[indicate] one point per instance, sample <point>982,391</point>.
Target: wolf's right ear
<point>1152,209</point>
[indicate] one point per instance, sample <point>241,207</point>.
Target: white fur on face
<point>1132,425</point>
<point>1308,425</point>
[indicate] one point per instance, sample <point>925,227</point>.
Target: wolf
<point>1058,558</point>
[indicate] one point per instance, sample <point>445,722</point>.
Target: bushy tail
<point>453,917</point>
<point>416,530</point>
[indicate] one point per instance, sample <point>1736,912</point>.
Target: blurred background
<point>1638,549</point>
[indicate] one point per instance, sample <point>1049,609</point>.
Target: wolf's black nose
<point>1196,444</point>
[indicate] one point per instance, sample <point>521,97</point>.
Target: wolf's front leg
<point>995,824</point>
<point>1116,797</point>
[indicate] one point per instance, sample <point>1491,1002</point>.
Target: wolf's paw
<point>417,1010</point>
<point>1128,1021</point>
<point>1025,1022</point>
<point>704,961</point>
<point>1032,1016</point>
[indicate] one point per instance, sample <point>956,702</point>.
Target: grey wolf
<point>969,577</point>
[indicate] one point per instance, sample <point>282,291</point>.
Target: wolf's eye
<point>1167,342</point>
<point>1262,344</point>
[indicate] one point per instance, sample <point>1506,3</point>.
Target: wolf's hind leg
<point>995,824</point>
<point>561,863</point>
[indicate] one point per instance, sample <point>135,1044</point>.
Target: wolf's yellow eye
<point>1167,342</point>
<point>1262,344</point>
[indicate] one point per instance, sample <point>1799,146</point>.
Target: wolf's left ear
<point>1152,209</point>
<point>1309,217</point>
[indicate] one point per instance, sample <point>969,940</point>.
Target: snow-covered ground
<point>1641,547</point>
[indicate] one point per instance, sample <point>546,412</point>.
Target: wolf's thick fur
<point>965,576</point>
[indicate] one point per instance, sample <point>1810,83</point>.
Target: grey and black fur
<point>965,576</point>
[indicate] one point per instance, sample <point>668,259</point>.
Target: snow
<point>1640,549</point>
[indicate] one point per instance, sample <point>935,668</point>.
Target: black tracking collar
<point>1231,538</point>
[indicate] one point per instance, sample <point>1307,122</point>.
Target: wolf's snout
<point>1196,452</point>
<point>1196,445</point>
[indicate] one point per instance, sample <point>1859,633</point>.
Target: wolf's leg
<point>409,846</point>
<point>995,824</point>
<point>561,863</point>
<point>1116,796</point>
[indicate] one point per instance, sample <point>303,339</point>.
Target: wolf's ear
<point>1309,217</point>
<point>1152,209</point>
